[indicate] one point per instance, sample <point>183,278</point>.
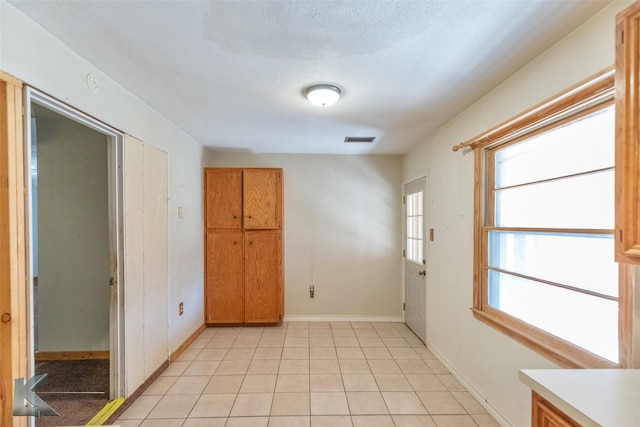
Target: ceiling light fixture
<point>323,95</point>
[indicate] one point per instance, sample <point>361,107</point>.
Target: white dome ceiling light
<point>323,95</point>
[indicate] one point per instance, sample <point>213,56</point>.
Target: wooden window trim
<point>627,81</point>
<point>560,351</point>
<point>550,110</point>
<point>587,96</point>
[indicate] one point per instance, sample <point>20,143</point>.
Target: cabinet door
<point>262,198</point>
<point>544,414</point>
<point>223,198</point>
<point>224,276</point>
<point>263,276</point>
<point>628,135</point>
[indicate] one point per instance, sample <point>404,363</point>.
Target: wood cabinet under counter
<point>586,397</point>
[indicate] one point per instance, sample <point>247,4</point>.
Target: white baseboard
<point>295,318</point>
<point>481,399</point>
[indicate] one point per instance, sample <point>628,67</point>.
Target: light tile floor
<point>307,374</point>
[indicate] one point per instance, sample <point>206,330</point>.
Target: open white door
<point>415,259</point>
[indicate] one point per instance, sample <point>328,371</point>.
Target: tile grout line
<point>307,339</point>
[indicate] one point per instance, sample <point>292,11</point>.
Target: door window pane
<point>415,232</point>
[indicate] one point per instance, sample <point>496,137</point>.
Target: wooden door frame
<point>15,337</point>
<point>115,163</point>
<point>14,266</point>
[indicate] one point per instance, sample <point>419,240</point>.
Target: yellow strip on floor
<point>106,412</point>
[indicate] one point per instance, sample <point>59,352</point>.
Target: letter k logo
<point>24,395</point>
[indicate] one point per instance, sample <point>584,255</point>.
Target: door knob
<point>6,317</point>
<point>422,273</point>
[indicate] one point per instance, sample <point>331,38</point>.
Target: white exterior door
<point>415,259</point>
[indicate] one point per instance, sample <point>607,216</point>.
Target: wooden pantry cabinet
<point>243,246</point>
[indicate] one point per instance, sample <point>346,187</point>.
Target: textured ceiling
<point>232,73</point>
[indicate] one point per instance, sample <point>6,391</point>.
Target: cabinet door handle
<point>235,216</point>
<point>235,242</point>
<point>251,242</point>
<point>249,217</point>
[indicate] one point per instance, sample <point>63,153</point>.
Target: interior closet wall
<point>73,236</point>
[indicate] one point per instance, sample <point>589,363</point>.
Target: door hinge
<point>620,235</point>
<point>622,37</point>
<point>404,200</point>
<point>404,253</point>
<point>112,281</point>
<point>404,306</point>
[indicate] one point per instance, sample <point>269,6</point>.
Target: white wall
<point>342,229</point>
<point>487,359</point>
<point>145,272</point>
<point>73,230</point>
<point>34,56</point>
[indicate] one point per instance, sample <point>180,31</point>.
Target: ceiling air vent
<point>363,139</point>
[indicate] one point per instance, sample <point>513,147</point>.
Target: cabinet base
<point>241,325</point>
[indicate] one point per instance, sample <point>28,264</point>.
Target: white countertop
<point>592,397</point>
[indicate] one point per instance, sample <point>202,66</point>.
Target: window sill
<point>557,350</point>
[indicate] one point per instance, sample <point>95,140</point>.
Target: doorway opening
<point>415,261</point>
<point>76,249</point>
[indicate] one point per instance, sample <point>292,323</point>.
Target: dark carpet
<point>73,376</point>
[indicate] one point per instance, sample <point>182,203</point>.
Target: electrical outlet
<point>181,309</point>
<point>311,291</point>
